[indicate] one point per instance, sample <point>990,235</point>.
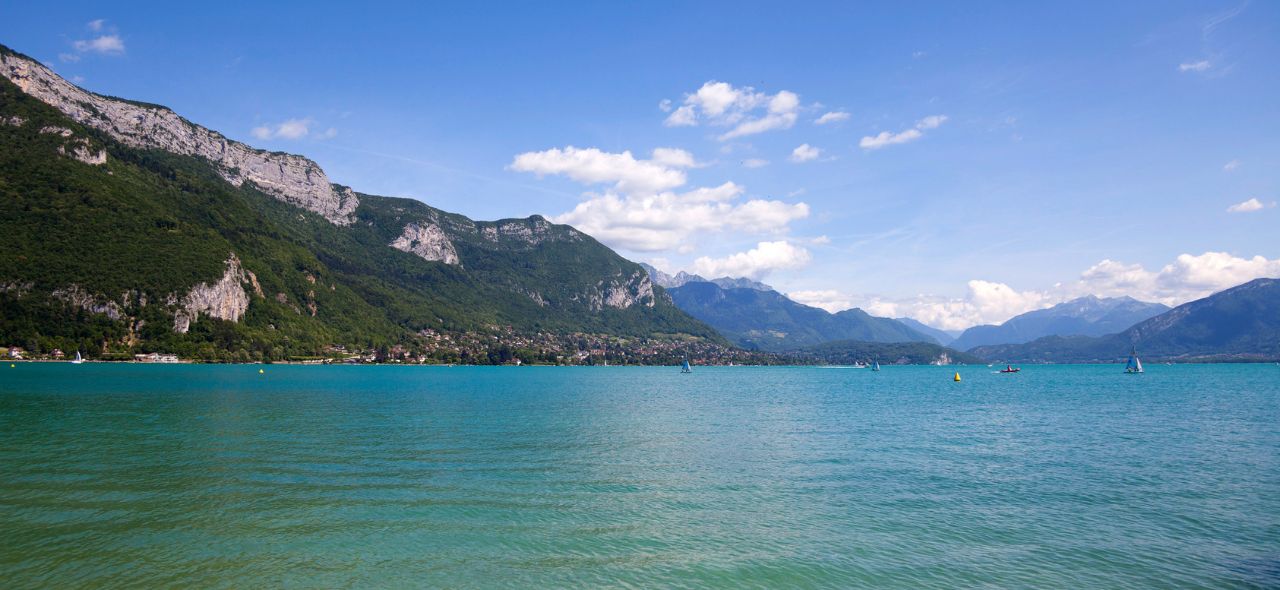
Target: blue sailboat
<point>684,366</point>
<point>1134,366</point>
<point>876,367</point>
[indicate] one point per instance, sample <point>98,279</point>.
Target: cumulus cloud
<point>743,109</point>
<point>832,117</point>
<point>669,220</point>
<point>754,163</point>
<point>623,171</point>
<point>1195,66</point>
<point>804,153</point>
<point>755,263</point>
<point>639,209</point>
<point>886,138</point>
<point>1187,278</point>
<point>1249,206</point>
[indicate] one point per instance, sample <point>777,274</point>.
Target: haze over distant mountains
<point>754,316</point>
<point>944,337</point>
<point>1240,323</point>
<point>1087,316</point>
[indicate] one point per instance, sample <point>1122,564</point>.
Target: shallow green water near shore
<point>1059,477</point>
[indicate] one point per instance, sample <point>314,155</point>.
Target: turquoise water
<point>1059,477</point>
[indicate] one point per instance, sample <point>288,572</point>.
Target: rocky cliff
<point>290,178</point>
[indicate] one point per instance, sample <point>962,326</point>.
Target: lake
<point>733,477</point>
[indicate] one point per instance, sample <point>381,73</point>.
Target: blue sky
<point>1024,154</point>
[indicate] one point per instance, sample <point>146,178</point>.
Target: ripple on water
<point>1067,477</point>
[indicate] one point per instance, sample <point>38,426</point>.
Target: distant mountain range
<point>767,320</point>
<point>1240,323</point>
<point>1086,316</point>
<point>682,278</point>
<point>848,352</point>
<point>944,337</point>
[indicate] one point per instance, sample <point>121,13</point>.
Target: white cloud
<point>104,45</point>
<point>832,117</point>
<point>675,158</point>
<point>931,122</point>
<point>669,220</point>
<point>1249,206</point>
<point>886,138</point>
<point>683,117</point>
<point>1187,278</point>
<point>820,240</point>
<point>329,133</point>
<point>804,153</point>
<point>755,263</point>
<point>640,211</point>
<point>592,166</point>
<point>722,104</point>
<point>290,129</point>
<point>1196,66</point>
<point>69,57</point>
<point>95,25</point>
<point>754,163</point>
<point>665,105</point>
<point>1231,166</point>
<point>828,299</point>
<point>767,123</point>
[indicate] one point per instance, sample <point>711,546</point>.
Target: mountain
<point>944,337</point>
<point>1240,323</point>
<point>681,278</point>
<point>848,352</point>
<point>127,228</point>
<point>769,321</point>
<point>1086,316</point>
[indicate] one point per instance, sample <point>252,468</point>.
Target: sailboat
<point>1134,366</point>
<point>684,366</point>
<point>876,366</point>
<point>78,359</point>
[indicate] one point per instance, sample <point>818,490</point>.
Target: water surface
<point>1058,477</point>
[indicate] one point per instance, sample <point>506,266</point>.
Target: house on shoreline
<point>156,357</point>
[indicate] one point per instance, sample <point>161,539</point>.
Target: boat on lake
<point>684,366</point>
<point>1010,369</point>
<point>78,359</point>
<point>1134,365</point>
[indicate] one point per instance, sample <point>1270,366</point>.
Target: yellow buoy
<point>957,376</point>
<point>260,371</point>
<point>11,365</point>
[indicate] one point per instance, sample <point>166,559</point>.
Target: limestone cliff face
<point>428,241</point>
<point>79,298</point>
<point>621,292</point>
<point>225,299</point>
<point>525,233</point>
<point>292,179</point>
